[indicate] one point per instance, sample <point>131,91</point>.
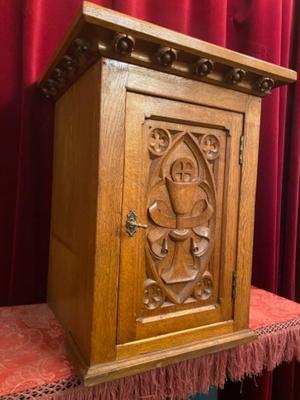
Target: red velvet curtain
<point>30,30</point>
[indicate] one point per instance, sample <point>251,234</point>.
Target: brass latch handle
<point>132,224</point>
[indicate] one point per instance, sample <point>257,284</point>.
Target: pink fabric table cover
<point>34,363</point>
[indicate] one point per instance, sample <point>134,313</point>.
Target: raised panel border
<point>250,106</point>
<point>147,107</point>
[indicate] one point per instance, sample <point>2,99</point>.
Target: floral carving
<point>236,75</point>
<point>82,50</point>
<point>58,74</point>
<point>203,66</point>
<point>210,145</point>
<point>158,141</point>
<point>81,45</point>
<point>50,88</point>
<point>153,295</point>
<point>68,63</point>
<point>265,85</point>
<point>181,215</point>
<point>203,289</point>
<point>165,56</point>
<point>123,43</point>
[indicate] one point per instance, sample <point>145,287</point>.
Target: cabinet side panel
<point>247,211</point>
<point>74,199</point>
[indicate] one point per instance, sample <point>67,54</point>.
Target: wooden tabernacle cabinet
<point>155,159</point>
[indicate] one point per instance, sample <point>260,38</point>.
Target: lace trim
<point>278,326</point>
<point>49,389</point>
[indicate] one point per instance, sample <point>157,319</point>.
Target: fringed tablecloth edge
<point>182,379</point>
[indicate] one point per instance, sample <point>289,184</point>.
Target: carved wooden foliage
<point>181,211</point>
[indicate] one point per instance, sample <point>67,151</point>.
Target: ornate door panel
<point>180,204</point>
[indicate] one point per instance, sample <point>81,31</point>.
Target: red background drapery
<point>30,30</point>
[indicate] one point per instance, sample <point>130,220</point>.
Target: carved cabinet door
<point>179,215</point>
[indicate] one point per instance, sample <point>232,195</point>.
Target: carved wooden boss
<point>155,154</point>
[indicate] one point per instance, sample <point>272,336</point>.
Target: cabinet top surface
<point>99,31</point>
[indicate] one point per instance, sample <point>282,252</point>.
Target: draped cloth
<point>30,31</point>
<point>34,362</point>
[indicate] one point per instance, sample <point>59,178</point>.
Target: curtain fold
<point>30,32</point>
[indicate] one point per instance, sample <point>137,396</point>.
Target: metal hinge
<point>241,153</point>
<point>233,289</point>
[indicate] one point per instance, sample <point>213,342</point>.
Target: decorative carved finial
<point>165,56</point>
<point>123,44</point>
<point>203,66</point>
<point>265,85</point>
<point>236,75</point>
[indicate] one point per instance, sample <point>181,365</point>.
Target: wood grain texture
<point>109,204</point>
<point>176,314</point>
<point>135,365</point>
<point>130,139</point>
<point>179,338</point>
<point>247,210</point>
<point>185,90</point>
<point>74,196</point>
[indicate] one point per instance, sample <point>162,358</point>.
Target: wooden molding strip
<point>109,371</point>
<point>99,31</point>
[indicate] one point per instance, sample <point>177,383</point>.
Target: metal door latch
<point>132,224</point>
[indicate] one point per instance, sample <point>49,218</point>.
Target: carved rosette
<point>82,50</point>
<point>181,210</point>
<point>165,56</point>
<point>143,48</point>
<point>79,53</point>
<point>236,75</point>
<point>210,145</point>
<point>50,88</point>
<point>58,76</point>
<point>158,141</point>
<point>153,295</point>
<point>265,85</point>
<point>69,63</point>
<point>81,45</point>
<point>203,289</point>
<point>203,66</point>
<point>123,44</point>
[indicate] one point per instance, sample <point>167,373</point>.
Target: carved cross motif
<point>157,141</point>
<point>183,170</point>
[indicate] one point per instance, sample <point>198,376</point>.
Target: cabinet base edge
<point>108,371</point>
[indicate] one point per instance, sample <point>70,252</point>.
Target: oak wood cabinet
<point>154,173</point>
